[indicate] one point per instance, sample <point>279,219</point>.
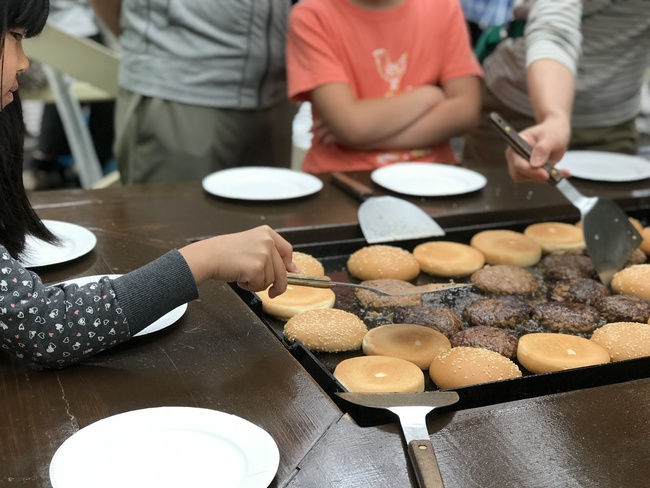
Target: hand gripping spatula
<point>609,235</point>
<point>412,409</point>
<point>386,218</point>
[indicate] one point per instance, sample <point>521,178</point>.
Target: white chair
<point>78,70</point>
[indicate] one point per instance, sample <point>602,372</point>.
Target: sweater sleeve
<point>58,325</point>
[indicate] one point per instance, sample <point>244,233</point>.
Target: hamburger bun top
<point>379,261</point>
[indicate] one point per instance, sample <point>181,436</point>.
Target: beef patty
<point>581,290</point>
<point>555,267</point>
<point>505,279</point>
<point>443,319</point>
<point>487,337</point>
<point>624,308</point>
<point>503,311</point>
<point>566,317</point>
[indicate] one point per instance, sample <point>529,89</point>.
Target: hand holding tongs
<point>326,282</point>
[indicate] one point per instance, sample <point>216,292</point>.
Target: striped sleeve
<point>553,32</point>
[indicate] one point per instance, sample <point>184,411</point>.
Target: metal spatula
<point>412,409</point>
<point>386,218</point>
<point>609,235</point>
<point>326,282</point>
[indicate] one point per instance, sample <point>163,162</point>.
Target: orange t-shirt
<point>378,53</point>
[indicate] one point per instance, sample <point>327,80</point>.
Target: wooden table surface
<point>221,356</point>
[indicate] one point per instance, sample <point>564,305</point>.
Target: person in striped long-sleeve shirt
<point>573,81</point>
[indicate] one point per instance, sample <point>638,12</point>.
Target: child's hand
<point>254,259</point>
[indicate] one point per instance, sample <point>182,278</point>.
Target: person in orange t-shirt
<point>388,80</point>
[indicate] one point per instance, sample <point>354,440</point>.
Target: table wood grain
<point>221,356</point>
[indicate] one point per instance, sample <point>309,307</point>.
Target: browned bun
<point>556,237</point>
<point>377,262</point>
<point>448,259</point>
<point>308,264</point>
<point>624,340</point>
<point>507,247</point>
<point>379,374</point>
<point>543,352</point>
<point>645,243</point>
<point>415,343</point>
<point>295,300</point>
<point>464,366</point>
<point>326,330</point>
<point>634,280</point>
<point>373,300</point>
<point>637,225</point>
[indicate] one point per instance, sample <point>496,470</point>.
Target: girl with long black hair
<point>55,325</point>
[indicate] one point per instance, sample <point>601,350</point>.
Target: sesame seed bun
<point>624,340</point>
<point>415,343</point>
<point>543,352</point>
<point>379,374</point>
<point>557,237</point>
<point>326,330</point>
<point>633,280</point>
<point>373,300</point>
<point>377,262</point>
<point>448,259</point>
<point>503,246</point>
<point>308,264</point>
<point>464,366</point>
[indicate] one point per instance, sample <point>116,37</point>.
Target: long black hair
<point>17,218</point>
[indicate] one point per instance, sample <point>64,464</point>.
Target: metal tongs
<point>326,282</point>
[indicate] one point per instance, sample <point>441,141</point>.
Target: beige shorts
<point>161,141</point>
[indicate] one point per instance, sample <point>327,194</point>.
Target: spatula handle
<point>425,464</point>
<point>309,280</point>
<point>351,186</point>
<point>520,145</point>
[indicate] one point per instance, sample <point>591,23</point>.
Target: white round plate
<point>167,447</point>
<point>605,166</point>
<point>165,321</point>
<point>261,183</point>
<point>428,179</point>
<point>75,242</point>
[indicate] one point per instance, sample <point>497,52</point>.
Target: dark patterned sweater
<point>56,326</point>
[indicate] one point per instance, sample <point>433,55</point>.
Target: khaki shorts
<point>484,146</point>
<point>161,141</point>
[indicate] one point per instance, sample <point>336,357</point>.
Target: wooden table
<point>221,356</point>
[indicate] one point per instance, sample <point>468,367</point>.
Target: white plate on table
<point>261,183</point>
<point>605,166</point>
<point>165,321</point>
<point>428,179</point>
<point>75,242</point>
<point>167,447</point>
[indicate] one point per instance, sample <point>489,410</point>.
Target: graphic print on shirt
<point>392,73</point>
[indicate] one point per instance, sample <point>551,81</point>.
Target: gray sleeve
<point>151,291</point>
<point>553,31</point>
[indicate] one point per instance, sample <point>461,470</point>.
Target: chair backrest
<point>81,58</point>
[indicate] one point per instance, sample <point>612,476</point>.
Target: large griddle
<point>334,254</point>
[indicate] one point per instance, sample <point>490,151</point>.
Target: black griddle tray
<point>334,254</point>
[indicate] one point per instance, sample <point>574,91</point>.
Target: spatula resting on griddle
<point>386,218</point>
<point>412,409</point>
<point>609,235</point>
